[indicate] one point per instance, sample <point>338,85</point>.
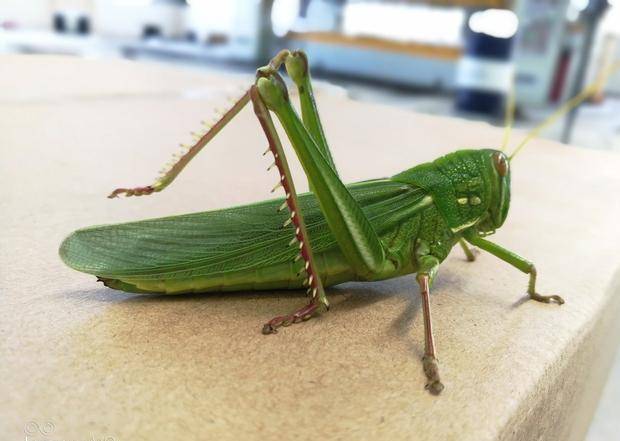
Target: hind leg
<point>318,300</point>
<point>173,170</point>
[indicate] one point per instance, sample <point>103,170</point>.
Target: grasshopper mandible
<point>366,231</point>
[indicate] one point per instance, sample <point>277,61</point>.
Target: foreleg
<point>469,253</point>
<point>518,262</point>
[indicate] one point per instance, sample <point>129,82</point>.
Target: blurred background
<point>434,56</point>
<point>442,57</point>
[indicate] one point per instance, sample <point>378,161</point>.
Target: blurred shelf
<point>45,42</point>
<point>234,52</point>
<point>362,42</point>
<point>500,4</point>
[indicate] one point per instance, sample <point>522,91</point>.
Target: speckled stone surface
<point>79,361</point>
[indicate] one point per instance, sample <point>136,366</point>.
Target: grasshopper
<point>365,231</point>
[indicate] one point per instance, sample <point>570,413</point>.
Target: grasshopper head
<point>498,173</point>
<point>471,188</point>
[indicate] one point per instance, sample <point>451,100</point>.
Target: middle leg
<point>428,268</point>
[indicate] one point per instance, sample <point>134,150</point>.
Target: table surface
<point>79,360</point>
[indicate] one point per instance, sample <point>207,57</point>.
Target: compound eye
<point>501,164</point>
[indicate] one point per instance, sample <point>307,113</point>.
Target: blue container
<point>484,74</point>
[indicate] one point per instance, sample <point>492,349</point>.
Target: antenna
<point>588,91</point>
<point>509,113</point>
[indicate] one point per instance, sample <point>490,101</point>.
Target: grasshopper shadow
<point>132,332</point>
<point>344,298</point>
<point>122,325</point>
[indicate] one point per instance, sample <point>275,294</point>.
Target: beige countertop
<point>80,361</point>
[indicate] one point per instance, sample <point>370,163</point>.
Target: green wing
<point>212,242</point>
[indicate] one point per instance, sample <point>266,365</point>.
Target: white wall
<point>34,14</point>
<point>118,18</point>
<point>122,18</point>
<point>610,29</point>
<point>236,18</point>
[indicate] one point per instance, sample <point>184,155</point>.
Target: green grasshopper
<point>371,230</point>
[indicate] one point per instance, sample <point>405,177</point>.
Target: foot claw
<point>435,387</point>
<point>431,369</point>
<point>474,253</point>
<point>303,314</point>
<point>137,191</point>
<point>546,299</point>
<point>269,329</point>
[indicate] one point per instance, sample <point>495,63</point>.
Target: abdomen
<point>331,264</point>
